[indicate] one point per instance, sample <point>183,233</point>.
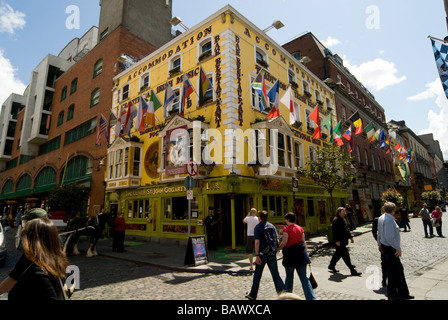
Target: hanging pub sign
<point>176,151</point>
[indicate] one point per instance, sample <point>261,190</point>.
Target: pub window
<point>297,153</point>
<point>175,106</point>
<point>117,162</point>
<point>289,157</point>
<point>126,161</point>
<point>125,92</point>
<point>205,49</point>
<point>111,165</point>
<point>306,89</point>
<point>281,150</point>
<point>144,81</point>
<point>292,76</point>
<point>207,96</point>
<point>175,65</point>
<point>309,123</point>
<point>136,162</point>
<point>261,58</point>
<point>275,206</point>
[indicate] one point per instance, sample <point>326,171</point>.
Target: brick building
<point>49,133</point>
<point>375,166</point>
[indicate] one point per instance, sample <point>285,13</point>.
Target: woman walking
<point>437,220</point>
<point>295,256</point>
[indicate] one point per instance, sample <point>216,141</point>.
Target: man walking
<point>266,244</point>
<point>251,220</point>
<point>426,218</point>
<point>388,238</point>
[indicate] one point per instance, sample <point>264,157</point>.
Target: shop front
<point>160,212</point>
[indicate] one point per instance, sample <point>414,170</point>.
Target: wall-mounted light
<point>277,24</point>
<point>178,21</point>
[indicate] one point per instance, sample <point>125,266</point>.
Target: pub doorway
<point>223,211</point>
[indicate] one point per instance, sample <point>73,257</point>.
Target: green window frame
<point>80,131</point>
<point>60,118</point>
<point>74,86</point>
<point>98,68</point>
<point>64,93</point>
<point>76,168</point>
<point>70,112</point>
<point>95,97</point>
<point>8,187</point>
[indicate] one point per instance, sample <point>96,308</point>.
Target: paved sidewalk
<point>430,283</point>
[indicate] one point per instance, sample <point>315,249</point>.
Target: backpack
<point>270,235</point>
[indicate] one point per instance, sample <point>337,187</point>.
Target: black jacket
<point>340,231</point>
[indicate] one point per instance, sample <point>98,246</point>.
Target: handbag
<point>312,280</point>
<point>435,223</point>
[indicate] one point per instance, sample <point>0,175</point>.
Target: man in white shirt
<point>251,220</point>
<point>389,244</point>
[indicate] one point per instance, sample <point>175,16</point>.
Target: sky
<point>383,43</point>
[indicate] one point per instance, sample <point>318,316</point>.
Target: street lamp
<point>277,24</point>
<point>178,21</point>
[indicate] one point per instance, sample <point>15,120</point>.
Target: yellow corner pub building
<point>221,121</point>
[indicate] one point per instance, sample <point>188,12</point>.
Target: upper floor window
<point>64,93</point>
<point>205,49</point>
<point>175,65</point>
<point>70,112</point>
<point>60,118</point>
<point>98,68</point>
<point>261,58</point>
<point>144,81</point>
<point>95,97</point>
<point>74,86</point>
<point>125,92</point>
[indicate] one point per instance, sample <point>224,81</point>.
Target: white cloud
<point>10,20</point>
<point>331,42</point>
<point>377,74</point>
<point>433,90</point>
<point>8,79</point>
<point>437,121</point>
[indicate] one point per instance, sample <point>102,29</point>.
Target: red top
<point>295,234</point>
<point>437,214</point>
<point>120,225</point>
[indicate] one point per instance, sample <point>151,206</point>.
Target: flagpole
<point>440,40</point>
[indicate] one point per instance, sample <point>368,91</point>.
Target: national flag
<point>112,120</point>
<point>288,101</point>
<point>348,134</point>
<point>259,85</point>
<point>204,85</point>
<point>382,140</point>
<point>130,115</point>
<point>440,54</point>
<point>328,123</point>
<point>273,95</point>
<point>357,122</point>
<point>377,134</point>
<point>315,117</point>
<point>102,125</point>
<point>187,90</point>
<point>348,137</point>
<point>388,145</point>
<point>141,112</point>
<point>169,100</point>
<point>338,134</point>
<point>120,120</point>
<point>398,147</point>
<point>153,105</point>
<point>370,132</point>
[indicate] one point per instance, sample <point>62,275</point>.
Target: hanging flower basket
<point>392,195</point>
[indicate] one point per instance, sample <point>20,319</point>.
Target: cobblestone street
<point>105,278</point>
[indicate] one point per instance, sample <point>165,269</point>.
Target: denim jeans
<point>428,224</point>
<point>271,261</point>
<point>306,285</point>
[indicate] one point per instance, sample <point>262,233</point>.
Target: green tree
<point>392,195</point>
<point>431,198</point>
<point>331,168</point>
<point>70,198</point>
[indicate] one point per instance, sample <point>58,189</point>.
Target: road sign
<point>189,194</point>
<point>192,168</point>
<point>189,183</point>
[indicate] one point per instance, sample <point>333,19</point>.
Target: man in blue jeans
<point>263,257</point>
